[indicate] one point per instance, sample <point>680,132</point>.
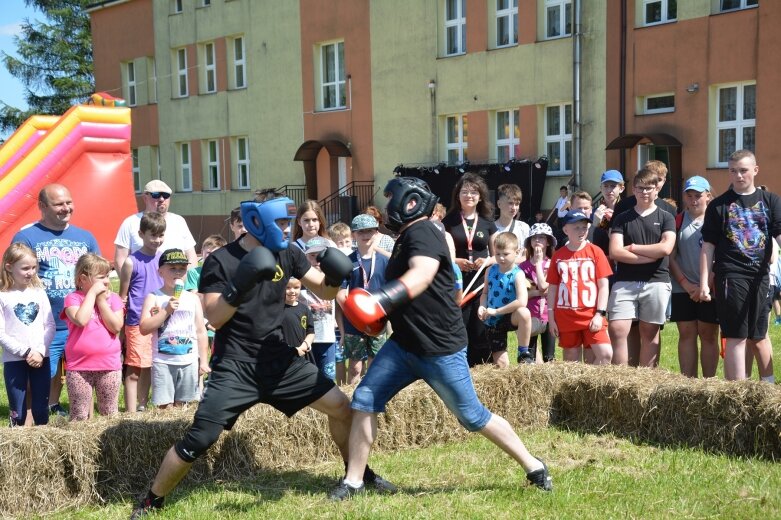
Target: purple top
<point>537,305</point>
<point>144,279</point>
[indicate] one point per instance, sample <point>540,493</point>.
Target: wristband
<point>602,312</point>
<point>27,353</point>
<point>681,279</point>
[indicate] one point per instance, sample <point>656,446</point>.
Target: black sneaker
<point>541,478</point>
<point>145,507</point>
<point>57,409</point>
<point>342,491</point>
<point>526,358</point>
<point>382,486</point>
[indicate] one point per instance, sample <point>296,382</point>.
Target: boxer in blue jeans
<point>428,341</point>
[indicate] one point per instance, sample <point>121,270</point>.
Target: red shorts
<point>584,337</point>
<point>138,348</point>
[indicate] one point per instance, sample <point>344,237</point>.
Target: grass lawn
<point>594,477</point>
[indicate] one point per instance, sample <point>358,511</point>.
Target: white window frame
<point>212,165</point>
<point>176,6</point>
<point>562,138</point>
<point>665,10</point>
<point>136,168</point>
<point>185,166</point>
<point>461,143</point>
<point>239,63</point>
<point>181,73</point>
<point>132,83</point>
<point>458,23</point>
<point>243,181</point>
<point>744,4</point>
<point>739,124</point>
<point>339,83</point>
<point>510,16</point>
<point>644,109</point>
<point>564,6</point>
<point>209,68</point>
<point>512,142</point>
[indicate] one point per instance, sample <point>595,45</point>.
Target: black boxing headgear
<point>400,191</point>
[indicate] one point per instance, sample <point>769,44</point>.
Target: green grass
<point>594,477</point>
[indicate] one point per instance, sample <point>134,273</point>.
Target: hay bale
<point>711,414</point>
<point>46,469</point>
<point>606,399</point>
<point>69,465</point>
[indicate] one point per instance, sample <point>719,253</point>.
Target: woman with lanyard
<point>471,224</point>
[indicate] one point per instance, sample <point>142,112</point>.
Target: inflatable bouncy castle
<point>88,151</point>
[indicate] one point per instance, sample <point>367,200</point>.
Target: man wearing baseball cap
<point>156,197</point>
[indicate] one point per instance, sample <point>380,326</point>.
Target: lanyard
<point>469,235</point>
<point>366,279</point>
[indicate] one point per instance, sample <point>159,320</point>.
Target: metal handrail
<point>349,200</point>
<point>297,192</point>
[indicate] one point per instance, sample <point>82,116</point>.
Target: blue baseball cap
<point>574,216</point>
<point>696,183</point>
<point>612,176</point>
<point>364,221</point>
<point>316,244</point>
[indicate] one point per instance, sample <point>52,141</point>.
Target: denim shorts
<point>394,368</point>
<point>57,350</point>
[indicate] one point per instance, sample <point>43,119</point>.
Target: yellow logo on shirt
<point>303,321</point>
<point>480,234</point>
<point>279,274</point>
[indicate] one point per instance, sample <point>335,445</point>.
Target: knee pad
<point>199,438</point>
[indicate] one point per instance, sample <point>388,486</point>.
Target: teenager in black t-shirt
<point>470,223</point>
<point>428,340</point>
<point>243,286</point>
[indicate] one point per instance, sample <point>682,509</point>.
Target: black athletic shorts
<point>743,307</point>
<point>497,334</point>
<point>686,309</point>
<point>288,384</point>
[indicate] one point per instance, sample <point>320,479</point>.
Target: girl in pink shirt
<point>95,316</point>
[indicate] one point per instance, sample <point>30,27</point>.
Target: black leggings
<point>548,346</point>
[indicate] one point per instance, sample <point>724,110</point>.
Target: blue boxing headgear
<point>260,218</point>
<point>400,192</point>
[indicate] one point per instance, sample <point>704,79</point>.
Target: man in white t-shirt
<point>157,197</point>
<point>508,199</point>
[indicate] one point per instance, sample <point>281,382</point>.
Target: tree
<point>55,61</point>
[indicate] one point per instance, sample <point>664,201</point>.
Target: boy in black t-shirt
<point>641,240</point>
<point>243,286</point>
<point>428,340</point>
<point>737,243</point>
<point>297,324</point>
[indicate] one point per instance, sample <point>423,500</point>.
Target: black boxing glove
<point>256,266</point>
<point>335,265</point>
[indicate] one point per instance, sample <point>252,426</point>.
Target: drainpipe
<point>622,88</point>
<point>577,137</point>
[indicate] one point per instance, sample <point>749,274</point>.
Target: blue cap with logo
<point>612,176</point>
<point>696,183</point>
<point>573,216</point>
<point>364,221</point>
<point>316,244</point>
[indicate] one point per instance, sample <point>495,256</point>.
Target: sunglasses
<point>157,194</point>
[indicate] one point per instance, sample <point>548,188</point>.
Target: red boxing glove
<point>365,312</point>
<point>368,311</point>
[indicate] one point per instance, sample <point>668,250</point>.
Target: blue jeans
<point>17,375</point>
<point>57,350</point>
<point>394,368</point>
<point>325,358</point>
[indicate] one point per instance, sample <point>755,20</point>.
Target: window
<point>455,27</point>
<point>736,119</point>
<point>508,135</point>
<point>185,168</point>
<point>456,138</point>
<point>658,104</point>
<point>239,64</point>
<point>558,18</point>
<point>558,137</point>
<point>206,3</point>
<point>212,165</point>
<point>131,83</point>
<point>333,87</point>
<point>733,5</point>
<point>506,22</point>
<point>659,11</point>
<point>209,68</point>
<point>136,171</point>
<point>242,163</point>
<point>176,6</point>
<point>181,73</point>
